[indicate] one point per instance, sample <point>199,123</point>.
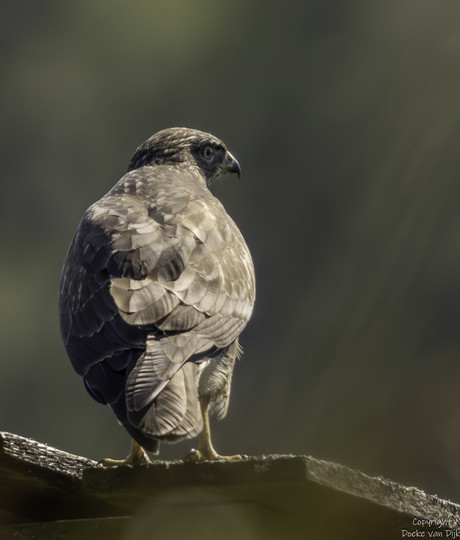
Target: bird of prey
<point>157,285</point>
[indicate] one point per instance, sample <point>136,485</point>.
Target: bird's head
<point>186,147</point>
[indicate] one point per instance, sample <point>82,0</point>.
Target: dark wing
<point>91,326</point>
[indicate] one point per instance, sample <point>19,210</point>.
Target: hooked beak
<point>232,165</point>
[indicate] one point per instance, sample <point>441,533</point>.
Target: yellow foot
<point>195,456</point>
<point>205,450</point>
<point>137,456</point>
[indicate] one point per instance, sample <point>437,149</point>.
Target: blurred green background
<point>345,117</point>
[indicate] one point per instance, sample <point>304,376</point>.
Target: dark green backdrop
<point>345,119</point>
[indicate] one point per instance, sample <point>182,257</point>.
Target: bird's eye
<point>208,152</point>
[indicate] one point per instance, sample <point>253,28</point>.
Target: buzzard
<point>156,287</point>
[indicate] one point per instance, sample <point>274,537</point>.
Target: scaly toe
<point>133,459</point>
<point>195,456</point>
<point>108,462</point>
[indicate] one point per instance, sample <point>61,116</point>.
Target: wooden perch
<point>48,493</point>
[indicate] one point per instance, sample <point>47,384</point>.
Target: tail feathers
<point>161,395</point>
<point>175,413</point>
<point>148,378</point>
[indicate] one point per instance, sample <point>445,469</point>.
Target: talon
<point>193,456</point>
